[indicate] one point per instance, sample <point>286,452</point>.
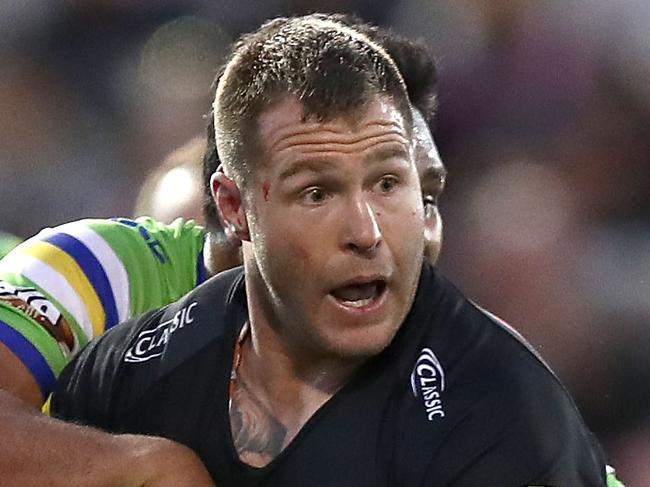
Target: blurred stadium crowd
<point>544,124</point>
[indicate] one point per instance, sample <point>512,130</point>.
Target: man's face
<point>432,174</point>
<point>336,226</point>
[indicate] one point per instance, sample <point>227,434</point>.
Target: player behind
<point>74,273</point>
<point>174,188</point>
<point>336,356</point>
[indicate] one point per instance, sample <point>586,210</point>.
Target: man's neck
<point>278,386</point>
<point>289,375</point>
<point>273,397</point>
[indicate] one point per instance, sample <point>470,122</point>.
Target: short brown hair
<point>333,70</point>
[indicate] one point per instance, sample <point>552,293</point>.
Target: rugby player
<point>337,356</point>
<point>84,277</point>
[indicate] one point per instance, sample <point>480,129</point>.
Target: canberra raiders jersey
<point>69,284</point>
<point>456,400</point>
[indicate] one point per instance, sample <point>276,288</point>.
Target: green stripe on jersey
<point>160,260</point>
<point>130,266</point>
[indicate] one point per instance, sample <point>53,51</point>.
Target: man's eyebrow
<point>394,151</point>
<point>314,164</point>
<point>317,164</point>
<point>434,173</point>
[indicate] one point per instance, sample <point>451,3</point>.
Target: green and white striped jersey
<point>69,284</point>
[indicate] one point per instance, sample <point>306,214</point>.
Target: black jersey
<point>457,399</point>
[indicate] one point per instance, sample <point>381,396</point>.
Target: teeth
<point>358,304</point>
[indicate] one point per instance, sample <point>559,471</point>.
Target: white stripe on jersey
<point>110,262</point>
<point>52,283</point>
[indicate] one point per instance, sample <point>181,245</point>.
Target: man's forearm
<point>37,450</point>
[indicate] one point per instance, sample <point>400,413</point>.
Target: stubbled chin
<point>360,342</point>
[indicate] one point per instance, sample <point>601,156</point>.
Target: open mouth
<point>359,295</point>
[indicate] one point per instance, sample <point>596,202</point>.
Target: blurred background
<point>544,124</point>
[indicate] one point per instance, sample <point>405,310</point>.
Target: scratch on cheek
<point>302,254</point>
<point>266,186</point>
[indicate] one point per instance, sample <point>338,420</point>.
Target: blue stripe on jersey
<point>201,272</point>
<point>93,271</point>
<point>30,356</point>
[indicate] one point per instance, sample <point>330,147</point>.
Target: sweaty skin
<point>346,194</point>
<point>344,208</point>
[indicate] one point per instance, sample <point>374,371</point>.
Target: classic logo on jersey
<point>151,343</point>
<point>40,309</point>
<point>428,382</point>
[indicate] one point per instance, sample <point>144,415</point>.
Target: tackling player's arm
<point>69,284</point>
<point>37,450</point>
<point>89,392</point>
<point>37,339</point>
<point>17,380</point>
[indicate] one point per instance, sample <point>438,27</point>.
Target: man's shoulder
<point>513,360</point>
<point>473,388</point>
<point>162,350</point>
<point>498,369</point>
<point>166,337</point>
<point>467,361</point>
<point>476,344</point>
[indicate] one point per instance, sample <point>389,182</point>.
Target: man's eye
<point>387,184</point>
<point>430,204</point>
<point>314,195</point>
<point>430,200</point>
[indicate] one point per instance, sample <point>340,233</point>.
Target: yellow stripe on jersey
<point>68,267</point>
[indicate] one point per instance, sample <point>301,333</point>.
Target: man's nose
<point>362,231</point>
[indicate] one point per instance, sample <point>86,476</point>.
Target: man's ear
<point>228,199</point>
